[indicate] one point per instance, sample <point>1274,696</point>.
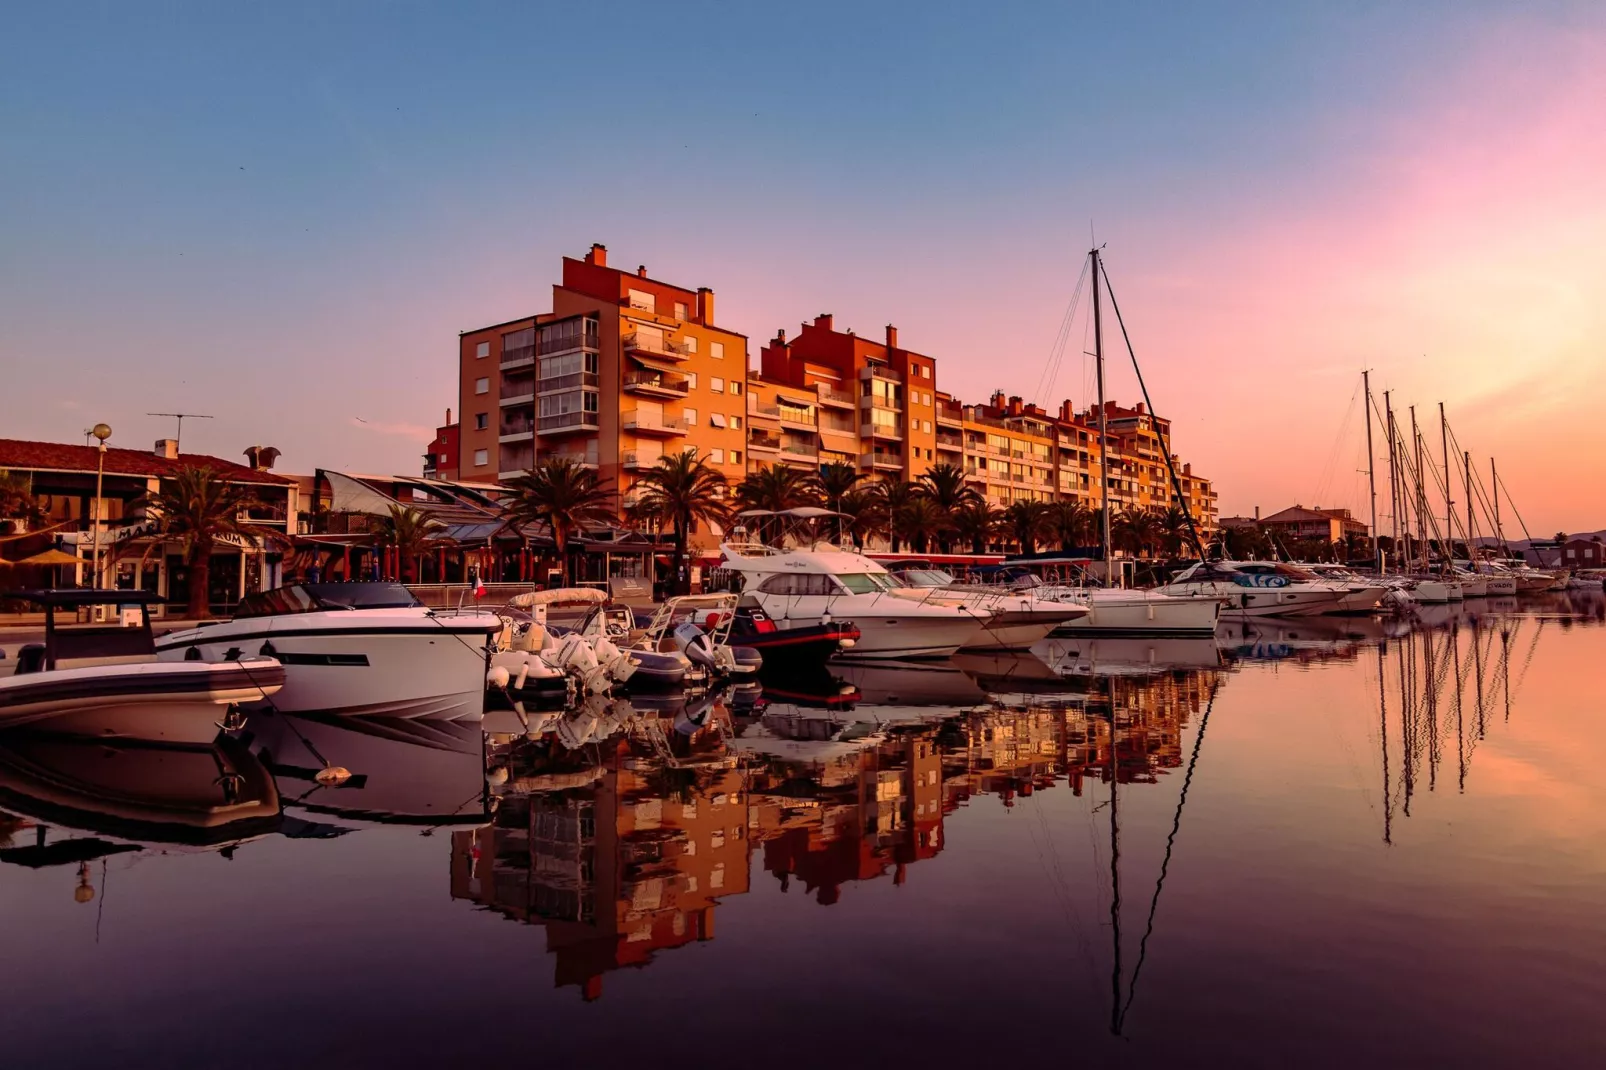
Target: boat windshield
<point>925,577</point>
<point>868,582</point>
<point>317,597</point>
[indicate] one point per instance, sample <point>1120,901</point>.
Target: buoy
<point>332,775</point>
<point>497,677</point>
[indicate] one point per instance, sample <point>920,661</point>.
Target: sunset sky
<point>284,215</point>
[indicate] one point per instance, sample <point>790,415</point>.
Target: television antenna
<point>178,436</point>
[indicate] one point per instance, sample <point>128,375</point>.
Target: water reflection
<point>614,832</point>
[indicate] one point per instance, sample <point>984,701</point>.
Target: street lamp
<point>101,432</point>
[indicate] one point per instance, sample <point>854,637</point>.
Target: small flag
<point>479,586</point>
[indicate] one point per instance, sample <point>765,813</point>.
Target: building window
<point>690,343</point>
<point>736,456</point>
<point>925,425</point>
<point>925,373</point>
<point>736,422</point>
<point>716,455</point>
<point>482,458</point>
<point>482,386</point>
<point>518,345</point>
<point>736,388</point>
<point>445,459</point>
<point>482,420</point>
<point>640,299</point>
<point>680,310</point>
<point>691,380</point>
<point>690,416</point>
<point>716,384</point>
<point>482,350</point>
<point>716,419</point>
<point>716,350</point>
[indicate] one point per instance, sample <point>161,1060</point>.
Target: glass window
<point>716,350</point>
<point>716,384</point>
<point>642,300</point>
<point>716,456</point>
<point>690,416</point>
<point>691,380</point>
<point>482,458</point>
<point>716,419</point>
<point>482,420</point>
<point>680,310</point>
<point>736,456</point>
<point>736,388</point>
<point>483,349</point>
<point>864,582</point>
<point>736,422</point>
<point>482,386</point>
<point>690,343</point>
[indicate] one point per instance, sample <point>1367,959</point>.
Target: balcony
<point>950,414</point>
<point>552,384</point>
<point>881,371</point>
<point>519,357</point>
<point>650,424</point>
<point>517,390</point>
<point>566,424</point>
<point>793,416</point>
<point>871,401</point>
<point>636,460</point>
<point>949,442</point>
<point>585,460</point>
<point>875,430</point>
<point>656,384</point>
<point>756,411</point>
<point>637,342</point>
<point>840,398</point>
<point>516,434</point>
<point>877,459</point>
<point>757,440</point>
<point>567,343</point>
<point>801,456</point>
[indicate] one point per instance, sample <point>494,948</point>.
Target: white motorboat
<point>1257,588</point>
<point>103,679</point>
<point>1019,617</point>
<point>1362,594</point>
<point>802,588</point>
<point>1116,611</point>
<point>358,649</point>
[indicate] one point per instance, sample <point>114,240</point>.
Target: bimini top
<point>557,596</point>
<point>824,559</point>
<point>69,597</point>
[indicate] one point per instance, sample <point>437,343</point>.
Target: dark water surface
<point>1291,865</point>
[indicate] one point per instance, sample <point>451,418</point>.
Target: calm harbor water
<point>1322,843</point>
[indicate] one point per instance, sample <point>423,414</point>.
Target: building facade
<point>625,369</point>
<point>1324,525</point>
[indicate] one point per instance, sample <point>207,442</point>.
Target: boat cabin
<point>319,597</point>
<point>117,638</point>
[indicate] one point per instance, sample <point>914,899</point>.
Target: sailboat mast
<point>1499,529</point>
<point>1371,476</point>
<point>1448,546</point>
<point>1104,445</point>
<point>1421,494</point>
<point>1394,476</point>
<point>1466,473</point>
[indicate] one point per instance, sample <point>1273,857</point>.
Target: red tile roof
<point>21,455</point>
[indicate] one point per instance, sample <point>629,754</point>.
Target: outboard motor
<point>700,649</point>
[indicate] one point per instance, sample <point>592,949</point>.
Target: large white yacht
<point>1019,617</point>
<point>1257,588</point>
<point>359,649</point>
<point>797,588</point>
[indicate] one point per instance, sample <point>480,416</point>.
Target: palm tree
<point>1136,530</point>
<point>566,496</point>
<point>895,495</point>
<point>975,523</point>
<point>1026,521</point>
<point>1174,530</point>
<point>945,485</point>
<point>411,532</point>
<point>683,489</point>
<point>777,487</point>
<point>835,481</point>
<point>918,520</point>
<point>1071,523</point>
<point>198,508</point>
<point>17,501</point>
<point>865,515</point>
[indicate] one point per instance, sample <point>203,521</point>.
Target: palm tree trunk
<point>200,562</point>
<point>560,538</point>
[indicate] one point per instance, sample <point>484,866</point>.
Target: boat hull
<point>154,702</point>
<point>433,670</point>
<point>1142,613</point>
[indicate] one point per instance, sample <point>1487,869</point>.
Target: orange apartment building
<point>624,369</point>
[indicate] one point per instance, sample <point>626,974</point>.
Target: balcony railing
<point>881,371</point>
<point>553,383</point>
<point>655,382</point>
<point>881,460</point>
<point>800,450</point>
<point>520,387</point>
<point>575,456</point>
<point>566,423</point>
<point>875,430</point>
<point>633,460</point>
<point>649,343</point>
<point>649,424</point>
<point>835,397</point>
<point>763,442</point>
<point>950,414</point>
<point>772,412</point>
<point>518,355</point>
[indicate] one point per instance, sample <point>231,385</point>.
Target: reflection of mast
<point>1383,715</point>
<point>1115,868</point>
<point>1460,731</point>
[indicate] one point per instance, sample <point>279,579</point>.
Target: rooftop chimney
<point>780,336</point>
<point>892,338</point>
<point>1014,406</point>
<point>641,270</point>
<point>997,400</point>
<point>823,321</point>
<point>167,447</point>
<point>598,255</point>
<point>1067,411</point>
<point>1257,514</point>
<point>705,306</point>
<point>261,458</point>
<point>1139,408</point>
<point>448,417</point>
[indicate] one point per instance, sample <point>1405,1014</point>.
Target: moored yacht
<point>802,588</point>
<point>359,649</point>
<point>1257,588</point>
<point>1019,618</point>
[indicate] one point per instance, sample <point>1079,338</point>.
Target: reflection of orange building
<point>853,818</point>
<point>615,872</point>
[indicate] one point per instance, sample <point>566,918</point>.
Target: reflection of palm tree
<point>10,825</point>
<point>198,509</point>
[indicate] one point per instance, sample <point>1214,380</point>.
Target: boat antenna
<point>1165,441</point>
<point>178,435</point>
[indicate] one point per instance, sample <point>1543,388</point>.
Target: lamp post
<point>101,432</point>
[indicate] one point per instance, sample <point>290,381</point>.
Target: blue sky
<point>283,215</point>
